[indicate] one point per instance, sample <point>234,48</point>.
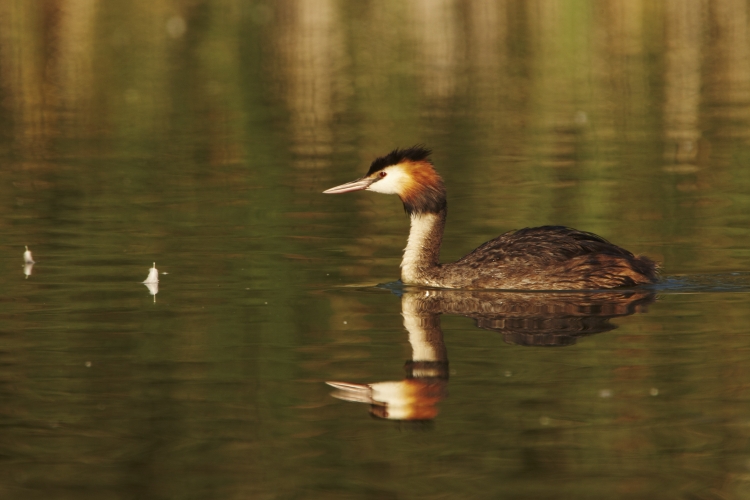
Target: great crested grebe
<point>538,258</point>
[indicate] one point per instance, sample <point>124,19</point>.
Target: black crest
<point>414,153</point>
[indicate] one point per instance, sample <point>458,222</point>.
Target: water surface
<point>201,136</point>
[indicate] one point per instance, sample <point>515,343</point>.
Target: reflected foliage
<point>200,134</point>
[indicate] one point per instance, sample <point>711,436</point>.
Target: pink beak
<point>357,185</point>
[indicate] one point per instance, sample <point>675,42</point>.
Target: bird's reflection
<point>529,319</point>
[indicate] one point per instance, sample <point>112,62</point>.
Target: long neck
<point>422,253</point>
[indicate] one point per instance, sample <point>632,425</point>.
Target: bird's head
<point>407,173</point>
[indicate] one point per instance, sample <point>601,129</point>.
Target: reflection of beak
<point>410,399</point>
<point>357,185</point>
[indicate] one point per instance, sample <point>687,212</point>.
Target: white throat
<point>422,226</point>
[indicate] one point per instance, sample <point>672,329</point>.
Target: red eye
<point>382,174</point>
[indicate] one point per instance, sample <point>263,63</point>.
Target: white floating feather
<point>28,263</point>
<point>153,275</point>
<point>27,258</point>
<point>152,281</point>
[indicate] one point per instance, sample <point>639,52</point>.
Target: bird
<point>532,258</point>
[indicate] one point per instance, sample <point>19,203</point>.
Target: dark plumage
<point>412,154</point>
<point>540,258</point>
<point>554,257</point>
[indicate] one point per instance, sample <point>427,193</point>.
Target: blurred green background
<point>200,135</point>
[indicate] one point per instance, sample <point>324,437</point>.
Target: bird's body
<point>540,258</point>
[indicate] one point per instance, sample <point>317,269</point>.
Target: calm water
<point>200,137</point>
